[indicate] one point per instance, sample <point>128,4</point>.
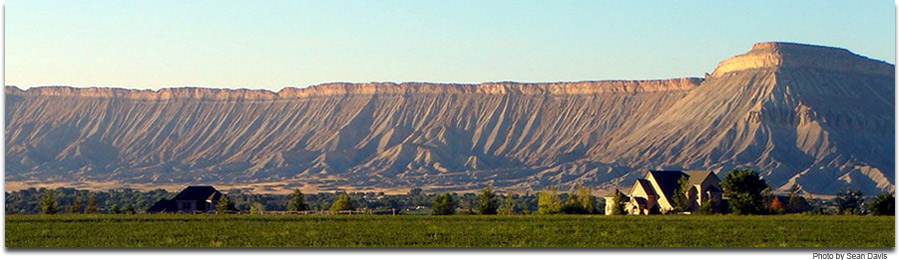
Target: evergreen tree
<point>549,201</point>
<point>443,204</point>
<point>76,204</point>
<point>744,189</point>
<point>586,198</point>
<point>115,209</point>
<point>91,204</point>
<point>225,205</point>
<point>342,203</point>
<point>48,202</point>
<point>297,201</point>
<point>487,202</point>
<point>509,206</point>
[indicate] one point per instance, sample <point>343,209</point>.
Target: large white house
<point>654,193</point>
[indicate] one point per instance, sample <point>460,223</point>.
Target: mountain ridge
<point>372,88</point>
<point>817,116</point>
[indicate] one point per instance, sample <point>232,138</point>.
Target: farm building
<point>653,194</point>
<point>193,199</point>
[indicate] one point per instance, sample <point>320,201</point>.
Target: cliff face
<point>780,108</point>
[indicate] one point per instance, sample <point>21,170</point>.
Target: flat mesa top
<point>778,55</point>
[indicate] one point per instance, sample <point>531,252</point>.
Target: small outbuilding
<point>193,199</point>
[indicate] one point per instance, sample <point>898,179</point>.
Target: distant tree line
<point>746,192</point>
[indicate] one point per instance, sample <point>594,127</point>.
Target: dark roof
<point>640,201</point>
<point>667,181</point>
<point>645,184</point>
<point>162,205</point>
<point>199,193</point>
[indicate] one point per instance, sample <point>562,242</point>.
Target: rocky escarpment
<point>365,135</point>
<point>817,116</point>
<point>375,88</point>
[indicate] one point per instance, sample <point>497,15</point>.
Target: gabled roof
<point>697,177</point>
<point>199,193</point>
<point>645,184</point>
<point>667,181</point>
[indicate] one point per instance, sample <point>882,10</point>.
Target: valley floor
<point>447,231</point>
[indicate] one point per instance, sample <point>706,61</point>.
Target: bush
<point>882,205</point>
<point>849,202</point>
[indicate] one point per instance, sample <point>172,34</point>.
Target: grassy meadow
<point>447,231</point>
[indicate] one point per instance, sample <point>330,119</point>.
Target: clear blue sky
<point>273,44</point>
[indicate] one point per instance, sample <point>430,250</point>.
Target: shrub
<point>883,205</point>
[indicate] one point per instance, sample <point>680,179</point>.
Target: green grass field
<point>447,231</point>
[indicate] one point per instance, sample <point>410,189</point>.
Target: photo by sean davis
<point>712,126</point>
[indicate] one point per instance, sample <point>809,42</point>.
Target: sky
<point>275,44</point>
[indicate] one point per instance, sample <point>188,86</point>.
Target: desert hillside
<point>818,116</point>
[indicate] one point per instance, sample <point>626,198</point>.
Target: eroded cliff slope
<point>821,117</point>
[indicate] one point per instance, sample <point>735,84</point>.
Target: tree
<point>225,205</point>
<point>509,206</point>
<point>744,189</point>
<point>796,203</point>
<point>777,207</point>
<point>617,207</point>
<point>297,201</point>
<point>76,204</point>
<point>487,202</point>
<point>48,202</point>
<point>849,202</point>
<point>257,207</point>
<point>586,198</point>
<point>129,208</point>
<point>115,209</point>
<point>883,205</point>
<point>549,202</point>
<point>342,203</point>
<point>443,204</point>
<point>679,196</point>
<point>91,203</point>
<point>572,205</point>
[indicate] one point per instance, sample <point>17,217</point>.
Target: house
<point>654,194</point>
<point>193,199</point>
